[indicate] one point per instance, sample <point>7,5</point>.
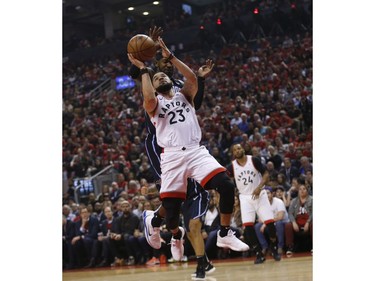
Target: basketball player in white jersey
<point>195,206</point>
<point>179,134</point>
<point>250,176</point>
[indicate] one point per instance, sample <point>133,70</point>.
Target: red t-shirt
<point>302,216</point>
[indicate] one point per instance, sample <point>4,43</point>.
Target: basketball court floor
<point>296,268</point>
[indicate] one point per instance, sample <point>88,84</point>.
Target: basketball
<point>142,47</point>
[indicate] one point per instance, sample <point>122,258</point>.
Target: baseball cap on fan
<point>268,188</point>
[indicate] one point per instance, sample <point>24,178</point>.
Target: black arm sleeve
<point>230,171</point>
<point>199,96</point>
<point>258,165</point>
<point>134,71</point>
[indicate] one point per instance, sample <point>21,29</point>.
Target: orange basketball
<point>142,47</point>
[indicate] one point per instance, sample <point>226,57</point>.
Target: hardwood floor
<point>296,268</point>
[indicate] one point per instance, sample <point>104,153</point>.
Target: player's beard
<point>239,156</point>
<point>164,88</point>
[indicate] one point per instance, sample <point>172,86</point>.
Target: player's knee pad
<point>172,207</point>
<point>225,186</point>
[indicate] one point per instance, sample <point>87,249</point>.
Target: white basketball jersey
<point>247,177</point>
<point>175,122</point>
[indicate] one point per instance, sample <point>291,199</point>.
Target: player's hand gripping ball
<point>142,47</point>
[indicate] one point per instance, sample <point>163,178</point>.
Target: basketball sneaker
<point>259,258</point>
<point>231,241</point>
<point>209,268</point>
<point>200,274</point>
<point>151,233</point>
<point>275,253</point>
<point>177,246</point>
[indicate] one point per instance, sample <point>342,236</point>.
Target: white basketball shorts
<point>250,207</point>
<point>179,163</point>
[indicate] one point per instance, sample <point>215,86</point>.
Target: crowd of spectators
<point>259,96</point>
<point>107,230</point>
<point>286,13</point>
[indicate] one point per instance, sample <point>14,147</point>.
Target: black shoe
<point>289,251</point>
<point>91,264</point>
<point>141,260</point>
<point>200,274</point>
<point>130,261</point>
<point>275,254</point>
<point>104,263</point>
<point>209,268</point>
<point>259,258</point>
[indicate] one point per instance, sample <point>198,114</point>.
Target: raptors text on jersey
<point>175,122</point>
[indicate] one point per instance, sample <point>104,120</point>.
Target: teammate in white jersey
<point>250,176</point>
<point>179,134</point>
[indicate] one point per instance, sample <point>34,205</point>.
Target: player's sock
<point>156,220</point>
<point>223,230</point>
<point>200,260</point>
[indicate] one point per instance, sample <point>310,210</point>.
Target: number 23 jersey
<point>175,122</point>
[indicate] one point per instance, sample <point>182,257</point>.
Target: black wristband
<point>144,70</point>
<point>201,78</point>
<point>171,56</point>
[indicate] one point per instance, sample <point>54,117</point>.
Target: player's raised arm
<point>148,91</point>
<point>190,85</point>
<point>203,71</point>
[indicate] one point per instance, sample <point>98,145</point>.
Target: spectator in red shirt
<point>301,220</point>
<point>307,150</point>
<point>291,152</point>
<point>121,182</point>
